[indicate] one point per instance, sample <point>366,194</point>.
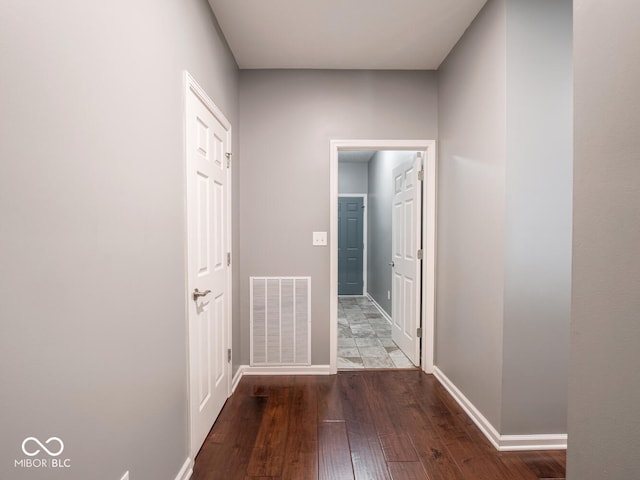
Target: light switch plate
<point>319,239</point>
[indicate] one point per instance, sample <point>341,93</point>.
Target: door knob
<point>392,264</point>
<point>197,293</point>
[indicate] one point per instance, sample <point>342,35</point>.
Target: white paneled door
<point>406,243</point>
<point>208,137</point>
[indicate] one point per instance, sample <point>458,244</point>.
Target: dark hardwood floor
<point>368,425</point>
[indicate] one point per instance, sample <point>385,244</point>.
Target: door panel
<point>406,223</point>
<point>350,245</point>
<point>207,140</point>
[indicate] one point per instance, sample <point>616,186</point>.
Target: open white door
<point>208,137</point>
<point>405,244</point>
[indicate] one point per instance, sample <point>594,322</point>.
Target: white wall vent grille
<point>280,320</point>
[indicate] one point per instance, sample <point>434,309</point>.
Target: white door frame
<point>190,84</point>
<point>364,237</point>
<point>428,240</point>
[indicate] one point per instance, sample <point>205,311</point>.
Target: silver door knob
<point>197,293</point>
<point>392,264</point>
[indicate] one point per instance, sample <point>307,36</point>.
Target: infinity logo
<point>37,451</point>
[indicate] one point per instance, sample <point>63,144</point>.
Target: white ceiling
<point>358,156</point>
<point>344,34</point>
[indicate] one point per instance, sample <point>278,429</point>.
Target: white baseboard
<point>286,370</point>
<point>382,312</point>
<point>278,370</point>
<point>502,443</point>
<point>186,471</point>
<point>512,443</point>
<point>480,420</point>
<point>236,378</point>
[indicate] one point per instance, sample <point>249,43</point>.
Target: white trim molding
<point>279,370</point>
<point>236,378</point>
<point>503,443</point>
<point>512,443</point>
<point>186,471</point>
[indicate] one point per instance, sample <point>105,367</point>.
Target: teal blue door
<point>350,245</point>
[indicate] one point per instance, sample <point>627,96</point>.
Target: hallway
<point>369,425</point>
<point>364,337</point>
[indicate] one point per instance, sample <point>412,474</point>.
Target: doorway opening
<point>382,235</point>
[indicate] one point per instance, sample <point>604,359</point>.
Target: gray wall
<point>604,373</point>
<point>537,293</point>
<point>353,177</point>
<point>379,272</point>
<point>288,118</point>
<point>471,210</point>
<point>504,213</point>
<point>92,300</point>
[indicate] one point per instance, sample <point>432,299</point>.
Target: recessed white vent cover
<point>280,320</point>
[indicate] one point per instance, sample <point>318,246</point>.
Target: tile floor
<point>364,337</point>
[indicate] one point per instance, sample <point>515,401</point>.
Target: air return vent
<point>280,320</point>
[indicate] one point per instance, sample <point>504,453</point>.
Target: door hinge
<point>419,332</point>
<point>229,355</point>
<point>421,175</point>
<point>228,259</point>
<point>420,255</point>
<point>228,155</point>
